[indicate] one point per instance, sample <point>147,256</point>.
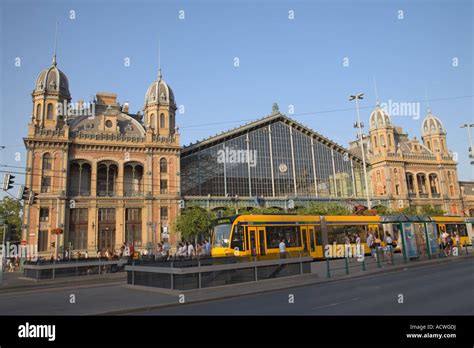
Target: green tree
<point>324,209</point>
<point>10,213</point>
<point>432,211</point>
<point>383,210</point>
<point>409,211</point>
<point>195,221</point>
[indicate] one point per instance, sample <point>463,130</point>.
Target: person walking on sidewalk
<point>282,247</point>
<point>371,244</point>
<point>388,247</point>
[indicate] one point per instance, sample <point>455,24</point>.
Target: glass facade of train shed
<point>271,157</point>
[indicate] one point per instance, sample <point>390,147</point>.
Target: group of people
<point>189,250</point>
<point>374,242</point>
<point>447,242</point>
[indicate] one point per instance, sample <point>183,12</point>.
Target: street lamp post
<point>359,125</point>
<point>468,126</point>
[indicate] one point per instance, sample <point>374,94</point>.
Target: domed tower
<point>434,134</point>
<point>381,132</point>
<point>160,108</point>
<point>50,98</point>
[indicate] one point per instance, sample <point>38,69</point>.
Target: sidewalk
<point>242,289</point>
<point>16,282</point>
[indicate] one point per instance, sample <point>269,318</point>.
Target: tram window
<point>238,238</point>
<point>395,231</point>
<point>311,240</point>
<point>462,230</point>
<point>457,229</point>
<point>452,229</point>
<point>337,234</point>
<point>291,235</point>
<point>317,232</point>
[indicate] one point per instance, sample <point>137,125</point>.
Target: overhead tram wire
<point>304,114</point>
<point>322,112</point>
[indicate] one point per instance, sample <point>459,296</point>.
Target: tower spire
<point>159,62</point>
<point>427,101</point>
<point>377,102</point>
<point>55,44</point>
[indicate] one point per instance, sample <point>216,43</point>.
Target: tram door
<point>305,243</point>
<point>253,240</point>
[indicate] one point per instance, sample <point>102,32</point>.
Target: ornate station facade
<point>103,175</point>
<point>408,172</point>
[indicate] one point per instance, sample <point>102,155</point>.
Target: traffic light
<point>32,198</point>
<point>181,204</point>
<point>53,244</point>
<point>23,193</point>
<point>8,182</point>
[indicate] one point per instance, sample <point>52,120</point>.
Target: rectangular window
<point>78,228</point>
<point>46,184</point>
<point>164,213</point>
<point>163,186</point>
<point>291,235</point>
<point>42,240</point>
<point>133,225</point>
<point>78,238</point>
<point>134,214</point>
<point>107,214</point>
<point>44,214</point>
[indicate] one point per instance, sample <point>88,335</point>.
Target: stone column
<point>94,179</point>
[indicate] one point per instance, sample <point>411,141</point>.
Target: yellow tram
<point>260,234</point>
<point>454,226</point>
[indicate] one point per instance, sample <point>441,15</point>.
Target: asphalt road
<point>446,289</point>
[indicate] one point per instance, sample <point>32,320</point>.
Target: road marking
<point>337,303</point>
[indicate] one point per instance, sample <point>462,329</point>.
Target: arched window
<point>133,179</point>
<point>151,121</point>
<point>375,141</point>
<point>162,121</point>
<point>107,173</point>
<point>38,111</point>
<point>390,140</point>
<point>47,161</point>
<point>443,145</point>
<point>163,166</point>
<point>436,145</point>
<point>428,144</point>
<point>410,183</point>
<point>49,114</point>
<point>433,179</point>
<point>382,141</point>
<point>79,178</point>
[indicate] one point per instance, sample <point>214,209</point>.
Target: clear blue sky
<point>293,62</point>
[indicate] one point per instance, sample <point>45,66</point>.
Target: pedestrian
<point>282,247</point>
<point>444,242</point>
<point>208,248</point>
<point>198,252</point>
<point>86,255</point>
<point>377,244</point>
<point>449,245</point>
<point>388,246</point>
<point>371,244</point>
<point>190,251</point>
<point>458,241</point>
<point>359,247</point>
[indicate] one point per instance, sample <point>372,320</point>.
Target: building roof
<point>276,116</point>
